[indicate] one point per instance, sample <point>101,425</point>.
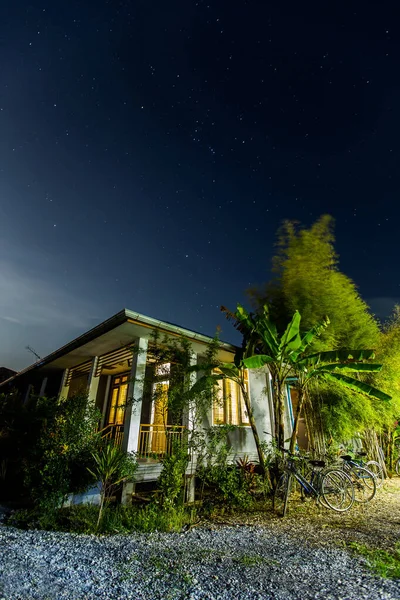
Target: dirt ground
<point>376,524</point>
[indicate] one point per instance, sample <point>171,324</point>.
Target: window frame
<point>226,385</point>
<point>114,409</point>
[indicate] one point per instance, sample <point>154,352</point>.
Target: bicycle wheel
<point>281,494</point>
<point>398,466</point>
<point>377,471</point>
<point>336,490</point>
<point>364,484</point>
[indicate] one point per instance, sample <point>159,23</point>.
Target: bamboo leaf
<point>357,386</point>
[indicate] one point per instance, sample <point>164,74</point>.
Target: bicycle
<point>364,481</point>
<point>332,488</point>
<point>373,466</point>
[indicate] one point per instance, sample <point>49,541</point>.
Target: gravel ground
<point>227,563</point>
<point>300,557</point>
<point>376,524</point>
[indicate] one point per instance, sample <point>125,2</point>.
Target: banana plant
<point>338,367</point>
<point>286,356</point>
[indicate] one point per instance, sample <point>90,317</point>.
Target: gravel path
<point>227,563</point>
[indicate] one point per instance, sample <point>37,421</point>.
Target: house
<point>102,363</point>
<point>6,374</point>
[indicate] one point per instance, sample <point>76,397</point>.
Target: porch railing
<point>156,441</point>
<point>113,432</point>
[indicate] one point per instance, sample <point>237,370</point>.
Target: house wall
<point>53,384</point>
<point>101,393</point>
<point>78,385</point>
<point>241,440</point>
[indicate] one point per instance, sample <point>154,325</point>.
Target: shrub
<point>65,434</point>
<point>171,482</point>
<point>83,518</point>
<point>111,467</point>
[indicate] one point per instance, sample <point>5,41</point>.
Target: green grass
<point>82,518</point>
<point>381,562</point>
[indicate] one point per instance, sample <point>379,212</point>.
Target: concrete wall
<point>241,440</point>
<point>78,385</point>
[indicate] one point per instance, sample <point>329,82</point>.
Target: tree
<point>335,367</point>
<point>286,356</point>
<point>388,351</point>
<point>306,278</point>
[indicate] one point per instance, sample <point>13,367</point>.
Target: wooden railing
<point>156,441</point>
<point>113,432</point>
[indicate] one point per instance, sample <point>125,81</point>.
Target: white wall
<point>242,439</point>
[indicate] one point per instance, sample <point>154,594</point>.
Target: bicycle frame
<point>306,485</point>
<point>354,463</point>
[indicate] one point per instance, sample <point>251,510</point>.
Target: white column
<point>93,381</point>
<point>64,387</point>
<point>27,394</point>
<point>105,402</point>
<point>135,396</point>
<point>191,421</point>
<point>43,387</point>
<point>190,417</point>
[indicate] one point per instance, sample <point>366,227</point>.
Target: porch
<point>154,441</point>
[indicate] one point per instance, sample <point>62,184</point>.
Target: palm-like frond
<point>312,333</point>
<point>356,385</point>
<point>338,356</point>
<point>351,366</point>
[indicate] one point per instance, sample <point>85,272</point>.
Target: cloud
<point>11,319</point>
<point>382,306</point>
<point>29,300</point>
<point>40,304</point>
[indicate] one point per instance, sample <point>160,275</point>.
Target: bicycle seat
<point>317,463</point>
<point>361,454</point>
<point>346,457</point>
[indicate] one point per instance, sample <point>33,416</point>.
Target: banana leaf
<point>266,331</point>
<point>257,361</point>
<point>357,386</point>
<point>339,356</point>
<point>311,334</point>
<point>229,370</point>
<point>272,325</point>
<point>291,339</point>
<point>241,319</point>
<point>205,382</point>
<point>358,367</point>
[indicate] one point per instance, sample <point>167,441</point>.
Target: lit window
<point>119,392</point>
<point>229,406</point>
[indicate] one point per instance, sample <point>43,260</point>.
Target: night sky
<point>149,150</point>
